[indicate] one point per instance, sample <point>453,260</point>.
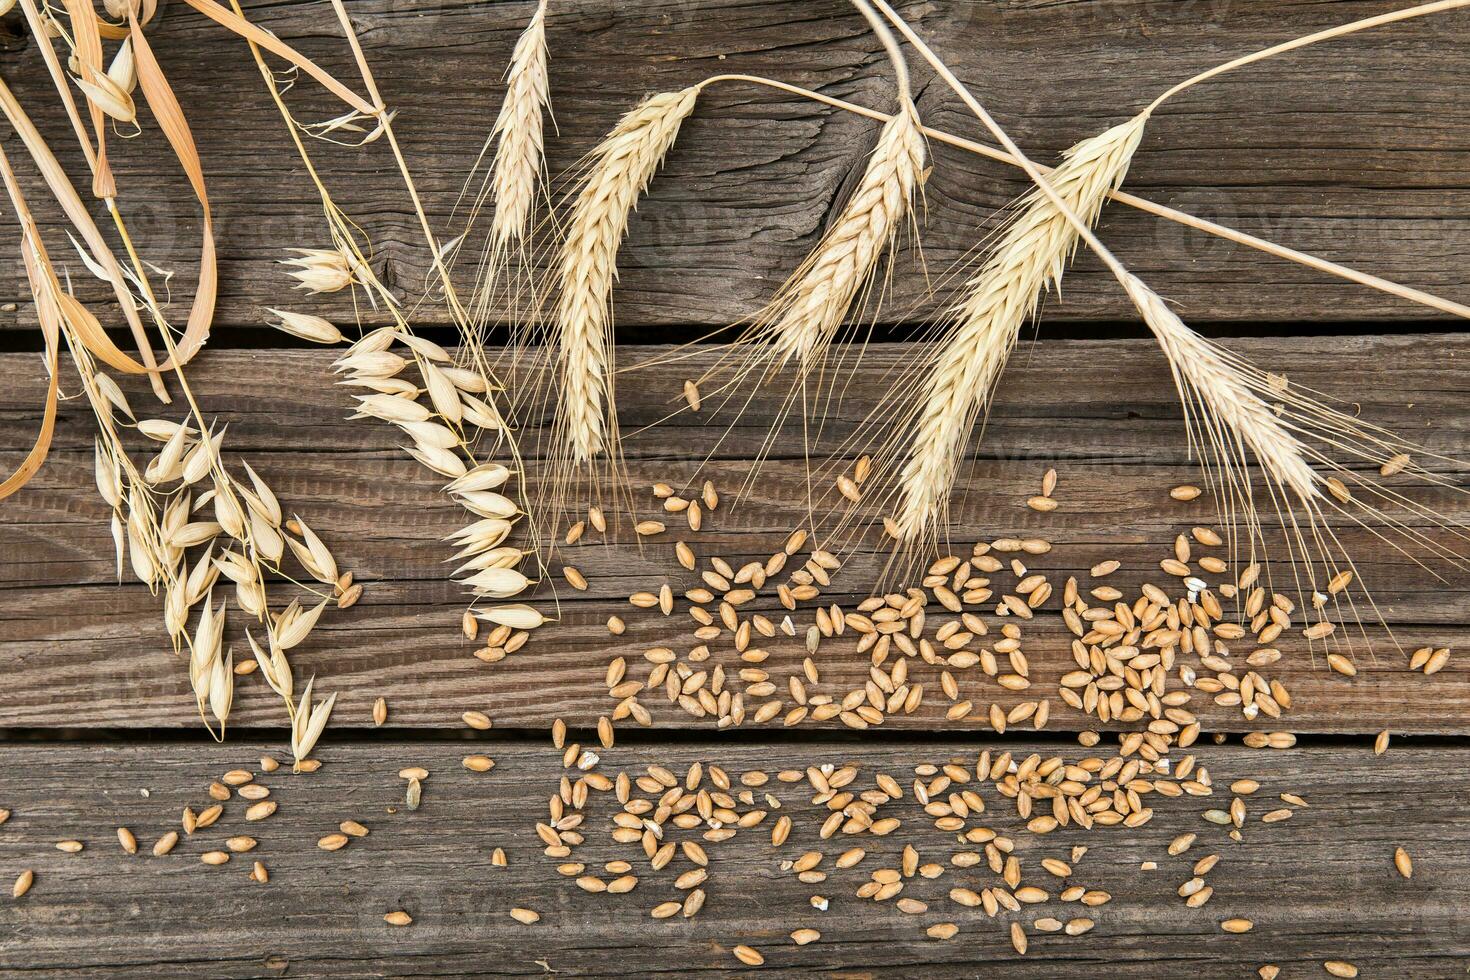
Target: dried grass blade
<point>170,117</point>
<point>77,213</point>
<point>87,49</point>
<point>58,78</point>
<point>50,319</point>
<point>273,44</point>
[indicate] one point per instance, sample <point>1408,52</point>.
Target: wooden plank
<point>75,660</point>
<point>1106,401</point>
<point>76,638</point>
<point>756,175</point>
<point>1318,886</point>
<point>81,651</point>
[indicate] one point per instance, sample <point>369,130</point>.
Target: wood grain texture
<point>78,650</point>
<point>1352,150</point>
<point>1319,886</point>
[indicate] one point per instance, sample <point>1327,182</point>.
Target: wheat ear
<point>621,167</point>
<point>810,307</point>
<point>505,278</point>
<point>1225,405</point>
<point>516,167</point>
<point>1232,406</point>
<point>1031,257</point>
<point>1231,416</point>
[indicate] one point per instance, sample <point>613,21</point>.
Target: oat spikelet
<point>620,169</point>
<point>998,300</point>
<point>810,307</point>
<point>516,168</point>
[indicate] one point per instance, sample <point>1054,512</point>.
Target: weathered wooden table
<point>1354,151</point>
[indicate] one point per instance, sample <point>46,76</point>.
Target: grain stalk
<point>445,434</point>
<point>1029,260</point>
<point>1279,251</point>
<point>1229,410</point>
<point>838,279</point>
<point>87,56</point>
<point>974,352</point>
<point>470,339</point>
<point>153,522</point>
<point>518,163</point>
<point>930,473</point>
<point>809,324</point>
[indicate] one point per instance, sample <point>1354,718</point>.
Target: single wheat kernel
<point>748,956</point>
<point>1395,465</point>
<point>261,810</point>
